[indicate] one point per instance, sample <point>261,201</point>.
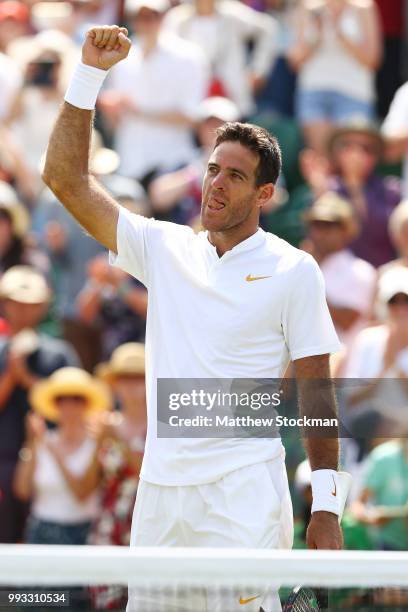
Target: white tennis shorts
<point>247,508</point>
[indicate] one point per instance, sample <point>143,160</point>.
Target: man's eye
<point>236,176</point>
<point>212,170</point>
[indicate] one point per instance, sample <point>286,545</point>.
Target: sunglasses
<point>59,399</point>
<point>398,299</point>
<point>365,147</point>
<point>320,224</point>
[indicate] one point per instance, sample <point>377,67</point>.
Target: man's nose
<point>218,181</point>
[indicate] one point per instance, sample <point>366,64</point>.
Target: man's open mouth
<point>215,204</point>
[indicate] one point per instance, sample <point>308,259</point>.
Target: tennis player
<point>229,302</point>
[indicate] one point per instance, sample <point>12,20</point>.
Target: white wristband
<point>84,87</point>
<point>325,491</point>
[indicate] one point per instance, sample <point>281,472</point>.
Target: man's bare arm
<point>66,169</point>
<point>317,399</point>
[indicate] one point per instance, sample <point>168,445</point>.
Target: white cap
<point>392,282</point>
<point>134,6</point>
<point>218,107</point>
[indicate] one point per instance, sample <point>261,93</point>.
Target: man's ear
<point>265,193</point>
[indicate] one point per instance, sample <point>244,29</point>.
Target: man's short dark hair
<point>260,142</point>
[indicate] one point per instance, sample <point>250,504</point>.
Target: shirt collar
<point>250,243</point>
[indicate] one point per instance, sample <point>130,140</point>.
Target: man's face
<point>23,315</point>
<point>328,236</point>
<point>230,195</point>
<point>357,154</point>
<point>146,22</point>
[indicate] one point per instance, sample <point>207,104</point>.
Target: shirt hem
<point>188,483</point>
<point>316,350</point>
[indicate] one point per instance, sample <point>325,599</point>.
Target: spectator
<point>52,461</point>
<point>14,23</point>
<point>223,29</point>
<point>13,16</point>
<point>382,351</point>
<point>398,231</point>
<point>152,97</point>
<point>354,151</point>
<point>395,130</point>
<point>336,53</point>
<point>350,281</point>
<point>278,94</point>
<point>115,302</point>
<point>384,491</point>
<point>176,196</point>
<point>120,459</point>
<point>41,89</point>
<point>14,223</point>
<point>25,356</point>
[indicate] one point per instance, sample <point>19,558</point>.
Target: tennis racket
<point>302,599</point>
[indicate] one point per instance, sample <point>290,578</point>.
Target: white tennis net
<point>167,571</point>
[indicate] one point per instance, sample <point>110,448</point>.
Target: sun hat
<point>218,107</point>
<point>10,204</point>
<point>392,282</point>
<point>134,6</point>
<point>69,381</point>
<point>126,359</point>
<point>25,285</point>
<point>335,209</point>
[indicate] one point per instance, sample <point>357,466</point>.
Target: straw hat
<point>127,359</point>
<point>333,208</point>
<point>9,203</point>
<point>25,285</point>
<point>69,381</point>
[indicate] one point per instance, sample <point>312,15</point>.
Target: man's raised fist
<point>105,46</point>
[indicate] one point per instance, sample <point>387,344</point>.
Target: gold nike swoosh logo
<point>334,493</point>
<point>250,278</point>
<point>245,601</point>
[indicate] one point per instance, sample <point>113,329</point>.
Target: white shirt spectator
<point>172,78</point>
<point>53,500</point>
<point>396,124</point>
<point>10,83</point>
<point>223,37</point>
<point>350,283</point>
<point>367,356</point>
<point>331,66</point>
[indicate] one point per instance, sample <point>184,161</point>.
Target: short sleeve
<point>132,239</point>
<point>306,321</point>
<point>397,118</point>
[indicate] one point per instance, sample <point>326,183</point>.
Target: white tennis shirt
<point>205,320</point>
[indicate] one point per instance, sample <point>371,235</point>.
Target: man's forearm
<point>317,400</point>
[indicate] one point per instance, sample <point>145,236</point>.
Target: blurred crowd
<point>327,77</point>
